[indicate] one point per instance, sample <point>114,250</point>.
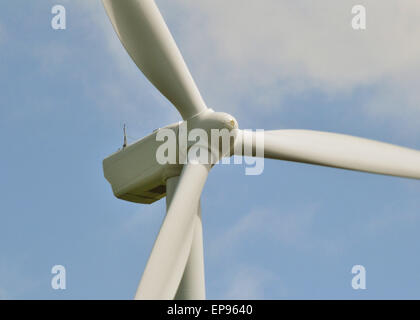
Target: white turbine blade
<point>192,285</point>
<point>340,151</point>
<point>147,39</point>
<point>171,250</point>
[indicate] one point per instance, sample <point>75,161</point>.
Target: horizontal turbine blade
<point>147,39</point>
<point>171,250</point>
<point>339,151</point>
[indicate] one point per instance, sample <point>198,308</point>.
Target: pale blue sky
<point>293,232</point>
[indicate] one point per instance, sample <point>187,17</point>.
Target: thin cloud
<point>389,220</point>
<point>15,282</point>
<point>265,52</point>
<point>2,35</point>
<point>284,48</point>
<point>290,229</point>
<point>251,283</point>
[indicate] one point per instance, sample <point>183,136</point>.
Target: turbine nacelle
<point>138,172</point>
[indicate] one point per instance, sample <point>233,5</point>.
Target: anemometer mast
<point>125,137</point>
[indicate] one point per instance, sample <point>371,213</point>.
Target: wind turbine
<point>175,268</point>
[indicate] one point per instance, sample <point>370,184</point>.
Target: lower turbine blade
<point>192,285</point>
<point>340,151</point>
<point>171,250</point>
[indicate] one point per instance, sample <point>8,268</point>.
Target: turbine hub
<point>210,119</point>
<point>221,131</point>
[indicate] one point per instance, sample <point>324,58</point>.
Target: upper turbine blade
<point>147,39</point>
<point>340,151</point>
<point>171,250</point>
